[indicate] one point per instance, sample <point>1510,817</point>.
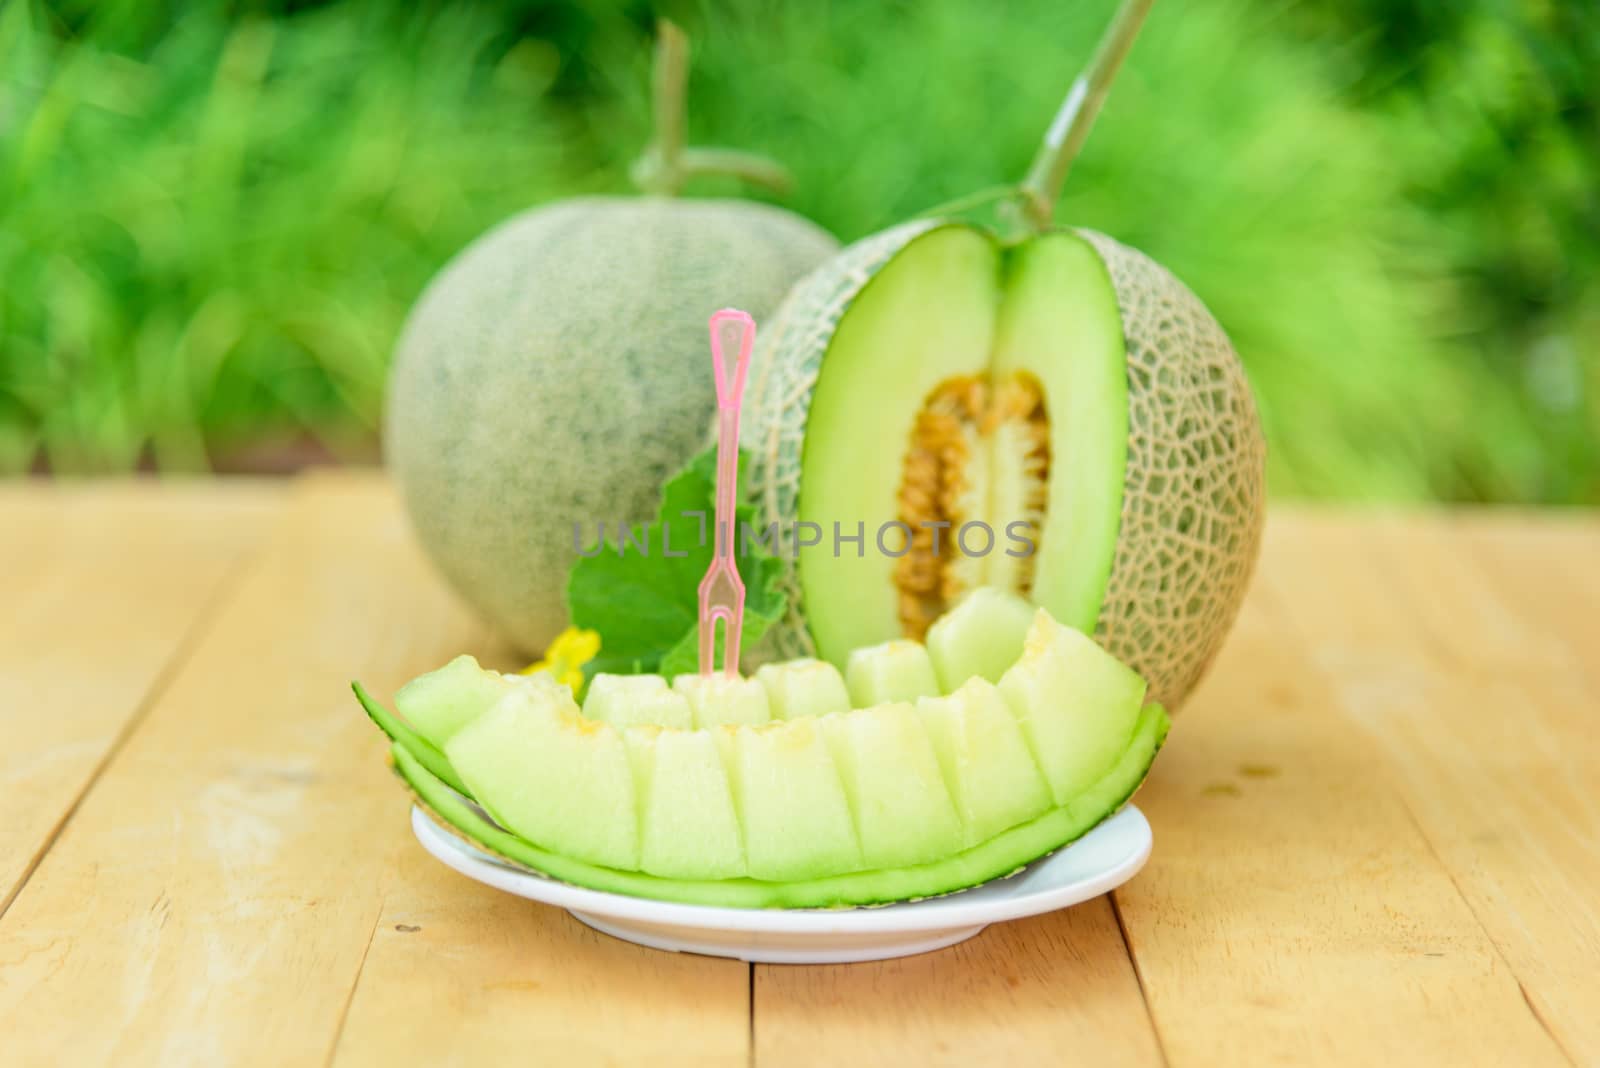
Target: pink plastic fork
<point>722,590</point>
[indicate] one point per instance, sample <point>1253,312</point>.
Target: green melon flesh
<point>623,700</point>
<point>897,793</point>
<point>792,804</point>
<point>894,671</point>
<point>1059,322</point>
<point>724,700</point>
<point>440,703</point>
<point>954,303</point>
<point>1076,705</point>
<point>688,823</point>
<point>980,637</point>
<point>987,765</point>
<point>804,687</point>
<point>552,776</point>
<point>1001,855</point>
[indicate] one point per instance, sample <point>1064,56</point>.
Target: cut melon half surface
<point>991,425</point>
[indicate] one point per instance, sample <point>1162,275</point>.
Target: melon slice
<point>443,701</point>
<point>688,826</point>
<point>980,637</point>
<point>402,735</point>
<point>1077,704</point>
<point>623,700</point>
<point>804,687</point>
<point>894,671</point>
<point>792,804</point>
<point>902,810</point>
<point>808,800</point>
<point>553,777</point>
<point>987,765</point>
<point>999,856</point>
<point>723,700</point>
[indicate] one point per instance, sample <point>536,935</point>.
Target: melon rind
<point>1193,486</point>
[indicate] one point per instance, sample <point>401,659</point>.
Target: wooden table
<point>1377,823</point>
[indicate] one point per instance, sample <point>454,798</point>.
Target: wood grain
<point>460,974</point>
<point>103,586</point>
<point>1485,712</point>
<point>1377,825</point>
<point>212,899</point>
<point>1292,911</point>
<point>1045,990</point>
<point>217,893</point>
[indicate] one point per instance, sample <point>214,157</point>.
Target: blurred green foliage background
<point>214,216</point>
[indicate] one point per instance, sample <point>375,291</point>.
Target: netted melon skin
<point>1192,507</point>
<point>556,373</point>
<point>1195,485</point>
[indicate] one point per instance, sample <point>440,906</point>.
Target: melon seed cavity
<point>979,453</point>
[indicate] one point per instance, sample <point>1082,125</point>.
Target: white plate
<point>1106,857</point>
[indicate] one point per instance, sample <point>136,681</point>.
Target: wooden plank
<point>1292,911</point>
<point>1473,690</point>
<point>104,584</point>
<point>1543,571</point>
<point>1053,989</point>
<point>460,974</point>
<point>216,894</point>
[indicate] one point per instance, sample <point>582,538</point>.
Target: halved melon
<point>1058,417</point>
<point>808,801</point>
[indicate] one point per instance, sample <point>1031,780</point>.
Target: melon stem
<point>667,163</point>
<point>1063,141</point>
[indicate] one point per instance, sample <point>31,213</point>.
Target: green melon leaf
<point>641,593</point>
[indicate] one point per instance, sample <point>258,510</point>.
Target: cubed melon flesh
<point>806,687</point>
<point>557,779</point>
<point>902,810</point>
<point>723,700</point>
<point>897,670</point>
<point>891,787</point>
<point>688,827</point>
<point>623,700</point>
<point>796,818</point>
<point>987,766</point>
<point>998,856</point>
<point>1077,704</point>
<point>443,701</point>
<point>980,637</point>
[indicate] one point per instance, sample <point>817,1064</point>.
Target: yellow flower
<point>565,657</point>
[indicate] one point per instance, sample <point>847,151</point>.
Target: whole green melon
<point>558,370</point>
<point>945,407</point>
